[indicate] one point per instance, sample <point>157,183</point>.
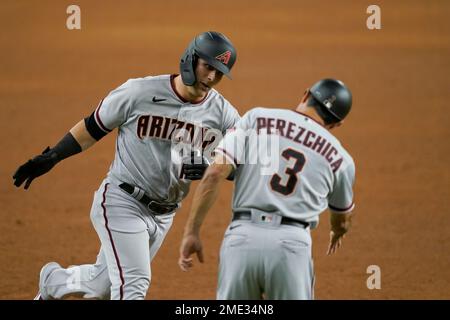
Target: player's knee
<point>142,284</point>
<point>137,287</point>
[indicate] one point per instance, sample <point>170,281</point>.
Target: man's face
<point>207,76</point>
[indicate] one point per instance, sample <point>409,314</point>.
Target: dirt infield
<point>397,131</point>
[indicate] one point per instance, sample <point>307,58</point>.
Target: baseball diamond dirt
<point>50,77</point>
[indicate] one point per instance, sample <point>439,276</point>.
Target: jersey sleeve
<point>113,110</point>
<point>230,117</point>
<point>340,199</point>
<point>233,144</point>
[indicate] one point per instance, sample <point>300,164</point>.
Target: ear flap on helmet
<point>187,66</point>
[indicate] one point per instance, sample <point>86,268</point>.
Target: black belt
<point>156,207</point>
<point>247,215</point>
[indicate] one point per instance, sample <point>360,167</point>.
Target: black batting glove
<point>194,166</point>
<point>35,167</point>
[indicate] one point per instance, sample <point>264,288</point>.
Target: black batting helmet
<point>334,96</point>
<point>211,46</point>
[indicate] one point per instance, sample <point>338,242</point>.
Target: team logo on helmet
<point>224,57</point>
<point>329,102</point>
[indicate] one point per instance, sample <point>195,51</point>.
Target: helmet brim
<point>216,64</point>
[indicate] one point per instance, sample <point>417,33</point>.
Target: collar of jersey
<point>172,85</point>
<point>305,115</point>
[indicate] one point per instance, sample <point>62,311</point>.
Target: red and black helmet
<point>211,46</point>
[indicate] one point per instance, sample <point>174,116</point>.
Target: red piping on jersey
<point>97,117</point>
<point>172,84</point>
<point>339,209</point>
<point>309,118</point>
<point>112,244</point>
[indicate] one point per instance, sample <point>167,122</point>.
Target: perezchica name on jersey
<point>296,133</point>
<point>174,130</point>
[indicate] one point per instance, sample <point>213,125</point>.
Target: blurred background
<point>51,77</point>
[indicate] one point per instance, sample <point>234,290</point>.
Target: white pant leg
<point>86,281</point>
<point>128,259</point>
<point>239,264</point>
<point>290,275</point>
<point>256,260</point>
<point>162,226</point>
<point>130,237</point>
<point>124,235</point>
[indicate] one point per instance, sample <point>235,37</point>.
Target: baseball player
<point>134,206</point>
<point>266,251</point>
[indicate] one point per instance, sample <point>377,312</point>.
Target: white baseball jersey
<point>307,171</point>
<point>153,121</point>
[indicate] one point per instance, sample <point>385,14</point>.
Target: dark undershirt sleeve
<point>93,128</point>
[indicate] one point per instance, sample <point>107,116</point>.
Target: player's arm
<point>204,197</point>
<point>75,141</point>
<point>82,135</point>
<point>341,207</point>
<point>112,112</point>
<point>340,224</point>
<point>231,118</point>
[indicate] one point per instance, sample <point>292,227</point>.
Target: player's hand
<point>189,245</point>
<point>35,167</point>
<point>335,242</point>
<point>194,166</point>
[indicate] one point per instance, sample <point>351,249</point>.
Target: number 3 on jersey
<point>291,172</point>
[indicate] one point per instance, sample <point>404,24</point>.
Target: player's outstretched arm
<point>204,197</point>
<point>75,141</point>
<point>82,135</point>
<point>340,224</point>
